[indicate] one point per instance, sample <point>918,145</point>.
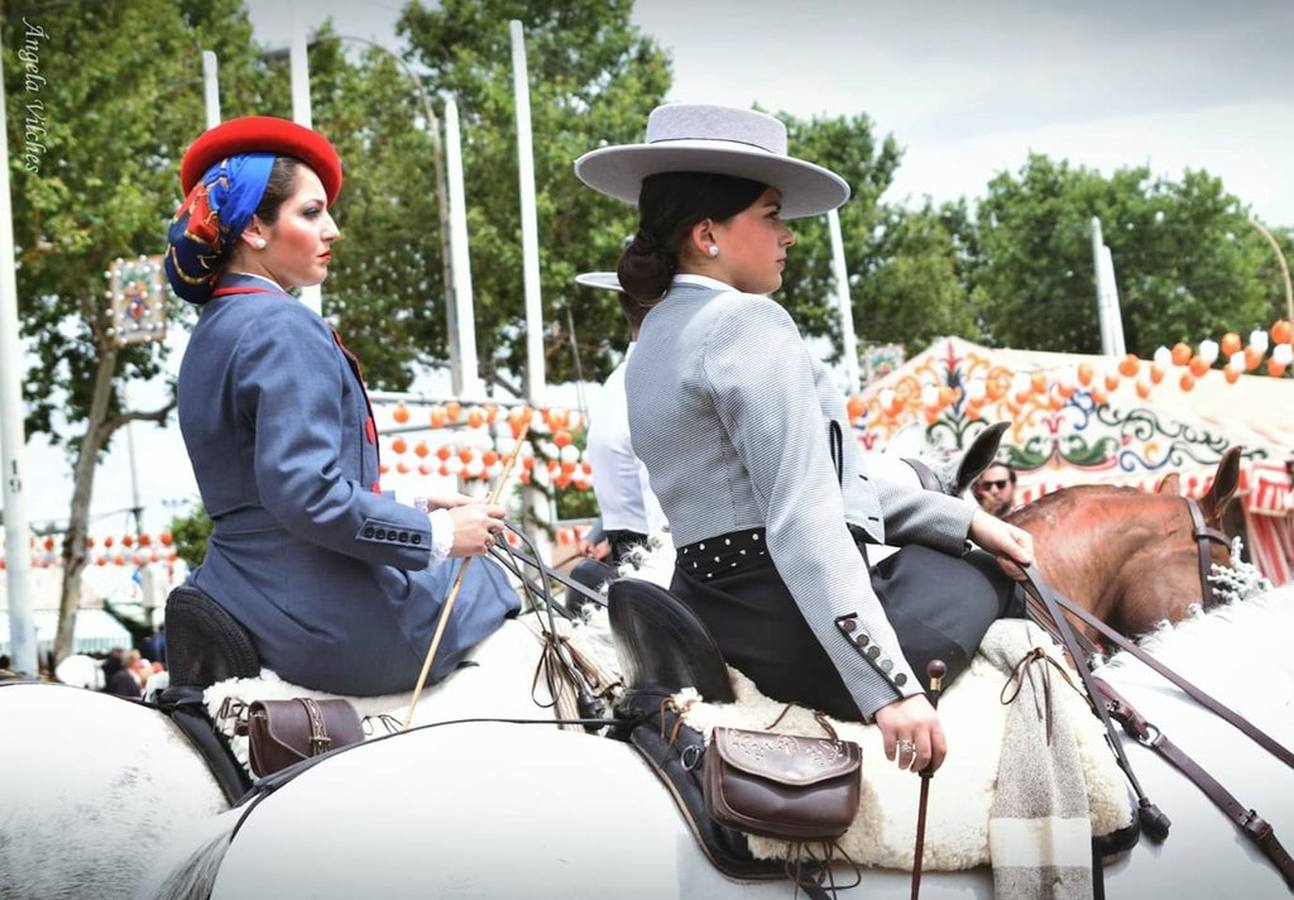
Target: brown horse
<point>1130,558</point>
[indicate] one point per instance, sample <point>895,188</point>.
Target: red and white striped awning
<point>1266,487</point>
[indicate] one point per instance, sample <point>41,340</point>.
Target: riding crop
<point>458,585</point>
<point>935,671</point>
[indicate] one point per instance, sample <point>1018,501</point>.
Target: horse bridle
<point>1204,535</point>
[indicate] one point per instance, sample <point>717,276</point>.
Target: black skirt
<point>939,605</point>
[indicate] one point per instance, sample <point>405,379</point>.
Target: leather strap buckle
<point>1149,736</point>
<point>1256,826</point>
<point>319,739</point>
<point>1136,727</point>
<point>691,756</point>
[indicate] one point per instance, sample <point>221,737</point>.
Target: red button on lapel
<point>370,430</point>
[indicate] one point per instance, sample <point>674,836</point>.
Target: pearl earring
<point>259,243</point>
<point>713,251</point>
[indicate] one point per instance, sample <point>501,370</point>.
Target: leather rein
<point>1049,609</point>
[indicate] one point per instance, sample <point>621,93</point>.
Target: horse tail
<point>187,868</point>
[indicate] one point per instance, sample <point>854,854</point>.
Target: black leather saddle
<point>663,646</point>
<point>204,643</point>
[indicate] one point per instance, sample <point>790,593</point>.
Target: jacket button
<point>368,532</point>
<point>873,651</point>
<point>417,539</point>
<point>887,665</point>
<point>392,535</point>
<point>900,679</point>
<point>381,534</point>
<point>404,537</point>
<point>861,639</point>
<point>848,625</point>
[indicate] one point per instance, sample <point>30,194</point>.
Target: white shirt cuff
<point>442,535</point>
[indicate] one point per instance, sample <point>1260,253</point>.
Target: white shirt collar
<point>702,281</point>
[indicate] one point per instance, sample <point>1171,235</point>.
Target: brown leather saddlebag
<point>782,786</point>
<point>283,732</point>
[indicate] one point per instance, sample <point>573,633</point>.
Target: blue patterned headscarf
<point>215,212</point>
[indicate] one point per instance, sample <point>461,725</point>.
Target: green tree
<point>1188,264</point>
<point>385,289</point>
<point>593,79</point>
<point>847,146</point>
<point>108,183</point>
<point>914,291</point>
<point>119,97</point>
<point>190,532</point>
<point>903,265</point>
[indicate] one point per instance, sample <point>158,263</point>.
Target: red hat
<point>262,134</point>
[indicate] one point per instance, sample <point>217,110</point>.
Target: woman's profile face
<point>753,244</point>
<point>297,251</point>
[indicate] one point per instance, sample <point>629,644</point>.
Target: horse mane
<point>1056,501</point>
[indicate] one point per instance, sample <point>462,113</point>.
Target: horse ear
<point>982,452</point>
<point>1225,482</point>
<point>1228,511</point>
<point>1170,484</point>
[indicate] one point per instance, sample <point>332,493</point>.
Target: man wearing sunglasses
<point>995,489</point>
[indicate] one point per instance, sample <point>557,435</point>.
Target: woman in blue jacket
<point>339,585</point>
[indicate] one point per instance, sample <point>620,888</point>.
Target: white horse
<point>499,810</point>
<point>92,785</point>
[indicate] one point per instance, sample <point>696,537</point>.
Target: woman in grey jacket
<point>750,453</point>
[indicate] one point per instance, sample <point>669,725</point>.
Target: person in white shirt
<point>630,511</point>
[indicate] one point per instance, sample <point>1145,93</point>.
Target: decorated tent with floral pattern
<point>1079,419</point>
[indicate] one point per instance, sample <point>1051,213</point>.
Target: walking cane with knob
<point>935,671</point>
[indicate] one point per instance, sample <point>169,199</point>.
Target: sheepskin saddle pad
<point>489,683</point>
<point>974,720</point>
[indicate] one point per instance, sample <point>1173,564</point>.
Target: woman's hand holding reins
<point>1011,545</point>
<point>476,526</point>
<point>912,723</point>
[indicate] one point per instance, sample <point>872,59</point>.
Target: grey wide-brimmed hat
<point>606,281</point>
<point>696,138</point>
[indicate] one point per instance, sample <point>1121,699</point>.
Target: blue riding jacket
<point>329,575</point>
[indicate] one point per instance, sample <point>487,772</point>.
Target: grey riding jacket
<point>738,425</point>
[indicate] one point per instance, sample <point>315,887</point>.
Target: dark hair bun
<point>669,205</point>
<point>646,268</point>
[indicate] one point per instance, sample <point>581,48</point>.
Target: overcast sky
<point>966,88</point>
